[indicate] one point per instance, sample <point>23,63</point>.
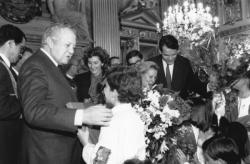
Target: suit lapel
<point>11,76</point>
<point>177,72</point>
<point>58,74</point>
<point>161,73</point>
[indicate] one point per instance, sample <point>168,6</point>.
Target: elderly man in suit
<point>12,39</point>
<point>175,71</point>
<point>49,134</point>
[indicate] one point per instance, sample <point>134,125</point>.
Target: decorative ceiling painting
<point>20,11</point>
<point>150,8</point>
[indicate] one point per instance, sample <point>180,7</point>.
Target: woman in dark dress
<point>96,59</point>
<point>89,88</point>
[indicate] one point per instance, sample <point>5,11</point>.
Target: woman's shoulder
<point>82,77</point>
<point>126,114</point>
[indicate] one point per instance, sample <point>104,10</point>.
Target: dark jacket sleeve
<point>10,107</point>
<point>195,84</point>
<point>39,103</point>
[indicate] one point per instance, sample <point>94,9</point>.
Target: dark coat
<point>10,124</point>
<point>183,78</point>
<point>49,134</point>
<point>83,82</point>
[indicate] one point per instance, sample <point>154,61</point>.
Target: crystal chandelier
<point>188,21</point>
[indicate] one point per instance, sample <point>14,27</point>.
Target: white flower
<point>158,135</point>
<point>164,147</point>
<point>172,113</point>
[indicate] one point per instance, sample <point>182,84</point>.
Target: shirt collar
<point>14,69</point>
<point>49,56</point>
<point>5,59</point>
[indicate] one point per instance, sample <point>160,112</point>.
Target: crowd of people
<point>37,126</point>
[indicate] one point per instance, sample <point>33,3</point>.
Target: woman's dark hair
<point>137,161</point>
<point>10,32</point>
<point>101,53</point>
<point>202,115</point>
<point>169,41</point>
<point>238,133</point>
<point>127,82</point>
<point>133,53</point>
<point>221,147</point>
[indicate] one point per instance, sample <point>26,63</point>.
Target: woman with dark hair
<point>87,83</point>
<point>237,132</point>
<point>221,150</point>
<point>124,137</point>
<point>191,134</point>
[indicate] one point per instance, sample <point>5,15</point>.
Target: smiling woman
<point>96,59</point>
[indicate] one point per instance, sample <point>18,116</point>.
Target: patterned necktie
<point>168,77</point>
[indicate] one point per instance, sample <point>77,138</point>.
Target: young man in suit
<point>49,134</point>
<point>175,71</point>
<point>12,39</point>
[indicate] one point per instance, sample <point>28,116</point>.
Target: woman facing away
<point>124,137</point>
<point>221,150</point>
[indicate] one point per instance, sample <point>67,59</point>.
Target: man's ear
<point>10,43</point>
<point>49,41</point>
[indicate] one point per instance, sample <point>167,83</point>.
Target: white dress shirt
<point>124,137</point>
<point>5,59</point>
<point>171,68</point>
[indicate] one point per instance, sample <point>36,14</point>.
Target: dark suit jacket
<point>183,78</point>
<point>10,124</point>
<point>49,135</point>
<point>83,82</point>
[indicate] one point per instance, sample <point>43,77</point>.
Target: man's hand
<point>83,135</point>
<point>97,115</point>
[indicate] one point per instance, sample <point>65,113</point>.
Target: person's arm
<point>98,152</point>
<point>93,115</point>
<point>10,107</point>
<point>38,107</point>
<point>195,84</point>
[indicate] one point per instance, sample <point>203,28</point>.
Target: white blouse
<point>124,137</point>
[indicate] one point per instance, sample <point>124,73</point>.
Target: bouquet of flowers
<point>160,110</point>
<point>234,62</point>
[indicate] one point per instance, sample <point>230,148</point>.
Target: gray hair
<point>53,30</point>
<point>143,67</point>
